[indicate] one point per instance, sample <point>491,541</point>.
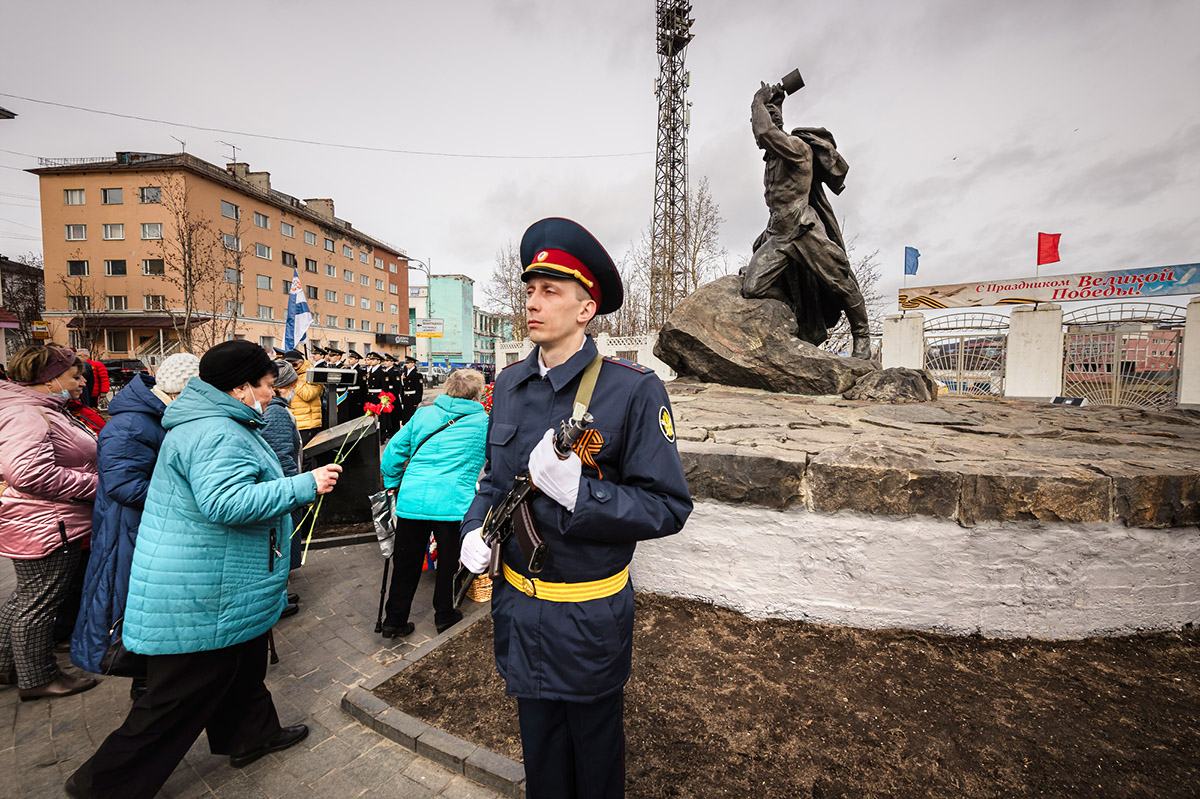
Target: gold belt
<point>567,592</point>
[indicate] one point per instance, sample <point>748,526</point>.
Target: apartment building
<point>146,253</point>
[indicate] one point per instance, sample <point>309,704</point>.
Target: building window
<point>115,268</point>
<point>392,268</point>
<point>113,232</point>
<point>289,259</point>
<point>287,230</point>
<point>154,302</point>
<point>393,309</point>
<point>264,282</point>
<point>329,244</point>
<point>364,280</point>
<point>366,326</point>
<point>151,231</point>
<point>116,302</point>
<point>330,295</point>
<point>330,321</point>
<point>310,292</point>
<point>73,197</point>
<point>349,323</point>
<point>261,220</point>
<point>310,238</point>
<point>365,304</point>
<point>231,242</point>
<point>378,306</point>
<point>347,251</point>
<point>149,194</point>
<point>234,308</point>
<point>232,275</point>
<point>379,285</point>
<point>116,340</point>
<point>350,299</point>
<point>363,257</point>
<point>78,302</point>
<point>330,270</point>
<point>266,312</point>
<point>266,342</point>
<point>347,276</point>
<point>110,197</point>
<point>76,232</point>
<point>379,327</point>
<point>310,265</point>
<point>379,263</point>
<point>230,210</point>
<point>393,288</point>
<point>153,266</point>
<point>77,268</point>
<point>262,251</point>
<point>395,329</point>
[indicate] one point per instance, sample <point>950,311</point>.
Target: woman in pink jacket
<point>47,485</point>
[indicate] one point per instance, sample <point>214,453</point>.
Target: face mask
<point>258,406</point>
<point>62,392</point>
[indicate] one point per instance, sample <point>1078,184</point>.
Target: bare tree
<point>867,272</point>
<point>631,319</point>
<point>87,303</point>
<point>228,291</point>
<point>24,292</point>
<point>505,292</point>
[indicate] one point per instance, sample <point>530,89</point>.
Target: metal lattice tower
<point>669,233</point>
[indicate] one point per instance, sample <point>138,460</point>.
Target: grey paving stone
<point>380,763</point>
<point>463,788</point>
<point>240,788</point>
<point>442,747</point>
<point>428,774</point>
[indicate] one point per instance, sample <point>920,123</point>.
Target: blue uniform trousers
<point>573,750</point>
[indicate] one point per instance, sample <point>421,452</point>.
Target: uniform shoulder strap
<point>587,385</point>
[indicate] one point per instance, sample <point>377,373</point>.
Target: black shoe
<point>62,685</point>
<point>286,737</point>
<point>449,621</point>
<point>291,609</point>
<point>399,632</point>
<point>10,678</point>
<point>293,598</point>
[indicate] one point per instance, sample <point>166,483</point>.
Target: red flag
<point>1048,248</point>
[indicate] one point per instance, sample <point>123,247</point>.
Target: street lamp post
<point>424,267</point>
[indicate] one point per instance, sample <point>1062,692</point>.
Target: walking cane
<point>271,646</point>
<point>387,562</point>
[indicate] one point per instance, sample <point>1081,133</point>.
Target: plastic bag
<point>383,513</point>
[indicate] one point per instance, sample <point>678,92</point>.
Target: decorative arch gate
<point>1125,353</point>
<point>966,351</point>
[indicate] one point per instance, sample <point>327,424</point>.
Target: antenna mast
<point>668,237</point>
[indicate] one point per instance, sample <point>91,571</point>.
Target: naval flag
<point>298,316</point>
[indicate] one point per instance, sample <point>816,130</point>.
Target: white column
<point>1033,362</point>
<point>1189,365</point>
<point>904,341</point>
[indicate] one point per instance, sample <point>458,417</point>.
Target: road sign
<point>429,328</point>
<point>41,330</point>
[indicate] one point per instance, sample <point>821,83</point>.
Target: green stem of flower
<point>316,509</point>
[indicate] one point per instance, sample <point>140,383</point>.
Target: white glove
<point>557,479</point>
<point>475,554</point>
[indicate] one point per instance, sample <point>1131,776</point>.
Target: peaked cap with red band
<point>558,247</point>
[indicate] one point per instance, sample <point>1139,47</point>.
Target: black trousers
<point>412,536</point>
<point>573,750</point>
<point>68,611</point>
<point>220,691</point>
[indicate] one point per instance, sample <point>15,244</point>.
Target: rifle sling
<point>587,385</point>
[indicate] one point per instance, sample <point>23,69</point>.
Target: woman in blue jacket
<point>206,583</point>
<point>127,448</point>
<point>436,489</point>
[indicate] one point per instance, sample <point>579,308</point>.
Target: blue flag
<point>298,317</point>
<point>910,260</point>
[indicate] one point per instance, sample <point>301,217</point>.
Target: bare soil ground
<point>721,705</point>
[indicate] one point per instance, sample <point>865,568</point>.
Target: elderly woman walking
<point>206,583</point>
<point>47,484</point>
<point>433,463</point>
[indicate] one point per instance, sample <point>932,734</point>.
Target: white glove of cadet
<point>557,479</point>
<point>475,554</point>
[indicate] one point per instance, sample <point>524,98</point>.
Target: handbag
<point>117,661</point>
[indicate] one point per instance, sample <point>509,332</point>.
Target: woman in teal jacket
<point>438,486</point>
<point>207,582</point>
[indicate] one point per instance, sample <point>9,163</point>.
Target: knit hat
<point>175,372</point>
<point>232,363</point>
<point>285,375</point>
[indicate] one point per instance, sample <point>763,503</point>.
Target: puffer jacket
<point>306,404</point>
<point>439,483</point>
<point>280,433</point>
<point>210,564</point>
<point>128,447</point>
<point>48,461</point>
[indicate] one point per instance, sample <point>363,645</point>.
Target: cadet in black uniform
<point>389,381</point>
<point>563,637</point>
<point>412,389</point>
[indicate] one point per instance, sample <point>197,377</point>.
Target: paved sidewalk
<point>324,650</point>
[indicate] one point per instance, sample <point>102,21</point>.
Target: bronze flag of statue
<point>800,258</point>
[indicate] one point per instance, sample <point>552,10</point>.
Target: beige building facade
<point>147,254</point>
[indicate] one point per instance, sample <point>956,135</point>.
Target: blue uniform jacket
<point>632,489</point>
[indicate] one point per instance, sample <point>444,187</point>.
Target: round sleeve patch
<point>666,425</point>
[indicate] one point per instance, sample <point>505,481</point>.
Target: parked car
<point>431,375</point>
<point>122,370</point>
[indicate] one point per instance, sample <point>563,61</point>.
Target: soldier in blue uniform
<point>563,637</point>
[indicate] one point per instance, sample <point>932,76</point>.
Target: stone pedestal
<point>1189,367</point>
<point>904,341</point>
<point>348,503</point>
<point>1033,362</point>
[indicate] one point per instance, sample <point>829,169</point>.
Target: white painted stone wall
<point>904,341</point>
<point>1034,361</point>
<point>1034,579</point>
<point>1189,366</point>
<point>643,346</point>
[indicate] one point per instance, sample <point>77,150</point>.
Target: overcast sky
<point>968,125</point>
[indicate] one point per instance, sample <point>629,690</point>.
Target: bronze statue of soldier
<point>801,258</point>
